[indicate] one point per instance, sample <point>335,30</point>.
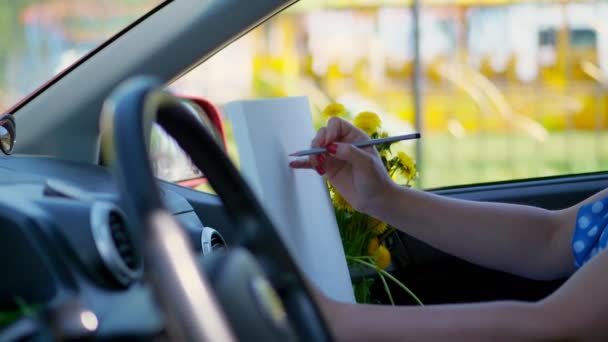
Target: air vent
<point>122,240</point>
<point>114,243</point>
<point>211,241</point>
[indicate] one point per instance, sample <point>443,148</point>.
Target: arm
<point>508,321</point>
<point>523,240</point>
<point>575,312</point>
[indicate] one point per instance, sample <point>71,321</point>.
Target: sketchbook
<point>297,201</point>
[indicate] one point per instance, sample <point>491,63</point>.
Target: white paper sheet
<point>297,201</point>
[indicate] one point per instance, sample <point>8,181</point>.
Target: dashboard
<point>65,235</point>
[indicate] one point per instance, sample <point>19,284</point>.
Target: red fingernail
<point>292,164</point>
<point>321,159</point>
<point>321,170</point>
<point>332,148</point>
<point>318,168</point>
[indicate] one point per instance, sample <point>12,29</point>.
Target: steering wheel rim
<point>126,124</point>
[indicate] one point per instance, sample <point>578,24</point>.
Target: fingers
<point>301,164</point>
<point>341,130</point>
<point>350,154</point>
<point>315,162</point>
<point>320,139</point>
<point>320,167</point>
<point>337,130</point>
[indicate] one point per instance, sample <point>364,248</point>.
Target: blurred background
<point>501,90</point>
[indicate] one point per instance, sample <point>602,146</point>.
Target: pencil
<point>365,143</point>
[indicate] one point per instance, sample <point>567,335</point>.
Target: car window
<point>507,92</point>
<point>40,38</point>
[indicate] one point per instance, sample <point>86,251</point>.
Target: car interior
<point>101,249</point>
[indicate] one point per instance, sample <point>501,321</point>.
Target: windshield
<point>40,38</point>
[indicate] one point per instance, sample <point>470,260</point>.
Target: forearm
<point>575,312</point>
<point>512,238</point>
<point>508,321</point>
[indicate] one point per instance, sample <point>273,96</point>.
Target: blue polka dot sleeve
<point>590,233</point>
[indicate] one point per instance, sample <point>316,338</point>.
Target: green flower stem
<point>386,274</point>
<point>386,234</point>
<point>386,289</point>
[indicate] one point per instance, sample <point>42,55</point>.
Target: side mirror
<point>169,162</point>
<point>7,133</point>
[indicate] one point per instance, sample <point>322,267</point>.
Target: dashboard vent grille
<point>115,246</point>
<point>217,242</point>
<point>122,240</point>
<point>211,241</point>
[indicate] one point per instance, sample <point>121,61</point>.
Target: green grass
<point>491,157</point>
<point>479,158</point>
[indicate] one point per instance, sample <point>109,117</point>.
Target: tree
<point>11,33</point>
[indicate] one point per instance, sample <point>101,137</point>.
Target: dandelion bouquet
<point>363,236</point>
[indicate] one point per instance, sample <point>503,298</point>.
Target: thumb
<point>350,154</point>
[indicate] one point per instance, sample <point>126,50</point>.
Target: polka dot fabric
<point>590,234</point>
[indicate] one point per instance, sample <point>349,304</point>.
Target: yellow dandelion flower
<point>334,109</point>
<point>373,246</point>
<point>383,257</point>
<point>407,166</point>
<point>340,202</point>
<point>376,226</point>
<point>369,122</point>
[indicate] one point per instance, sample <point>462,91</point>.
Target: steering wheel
<point>254,290</point>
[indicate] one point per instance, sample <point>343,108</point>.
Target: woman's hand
<point>357,174</point>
